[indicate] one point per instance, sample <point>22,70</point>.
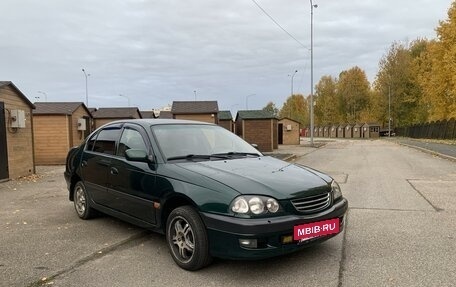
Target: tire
<point>187,238</point>
<point>82,202</point>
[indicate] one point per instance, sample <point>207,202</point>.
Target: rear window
<point>105,141</point>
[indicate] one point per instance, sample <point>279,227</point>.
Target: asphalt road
<point>445,150</point>
<point>400,232</point>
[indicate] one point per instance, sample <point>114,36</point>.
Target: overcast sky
<point>153,52</point>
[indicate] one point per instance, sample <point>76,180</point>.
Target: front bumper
<point>224,233</point>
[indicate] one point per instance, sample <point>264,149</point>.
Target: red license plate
<point>315,229</point>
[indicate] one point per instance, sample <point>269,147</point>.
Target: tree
<point>326,102</point>
<point>397,86</point>
<point>437,70</point>
<point>271,107</point>
<point>353,90</point>
<point>296,108</point>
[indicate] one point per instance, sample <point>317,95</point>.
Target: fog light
<point>287,239</point>
<point>248,243</point>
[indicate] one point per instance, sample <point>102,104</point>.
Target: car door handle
<point>104,162</point>
<point>114,171</point>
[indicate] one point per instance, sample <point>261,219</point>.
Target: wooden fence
<point>434,130</point>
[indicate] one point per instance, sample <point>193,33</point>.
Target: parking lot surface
<point>399,232</point>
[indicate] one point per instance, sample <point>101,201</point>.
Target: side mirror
<point>138,155</point>
<point>255,146</point>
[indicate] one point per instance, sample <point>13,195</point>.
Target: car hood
<point>263,176</point>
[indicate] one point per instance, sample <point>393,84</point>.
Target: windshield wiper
<point>197,156</point>
<point>236,153</point>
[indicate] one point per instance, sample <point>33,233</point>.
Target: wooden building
<point>58,126</point>
<point>203,111</point>
<point>326,131</point>
<point>288,133</point>
<point>370,130</point>
<point>165,115</point>
<point>226,120</point>
<point>148,114</point>
<point>357,131</point>
<point>341,131</point>
<point>106,115</point>
<point>333,131</point>
<point>258,127</point>
<point>348,131</point>
<point>16,133</point>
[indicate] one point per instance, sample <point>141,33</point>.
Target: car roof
<point>153,122</point>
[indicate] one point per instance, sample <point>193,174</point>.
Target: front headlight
<point>256,205</point>
<point>337,193</point>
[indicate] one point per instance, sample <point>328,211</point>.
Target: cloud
<point>155,52</point>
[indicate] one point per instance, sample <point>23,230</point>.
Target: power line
<point>278,25</point>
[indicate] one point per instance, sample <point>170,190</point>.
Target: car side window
<point>106,140</point>
<point>131,139</point>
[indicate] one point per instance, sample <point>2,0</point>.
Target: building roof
<point>287,118</point>
<point>255,115</point>
<point>165,115</point>
<point>57,108</point>
<point>21,95</point>
<point>148,114</point>
<point>225,115</point>
<point>116,113</point>
<point>371,124</point>
<point>194,107</point>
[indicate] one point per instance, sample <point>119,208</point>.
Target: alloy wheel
<point>183,240</point>
<point>80,200</point>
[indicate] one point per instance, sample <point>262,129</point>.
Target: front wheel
<point>81,201</point>
<point>187,238</point>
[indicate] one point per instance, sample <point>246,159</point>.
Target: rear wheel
<point>187,238</point>
<point>81,201</point>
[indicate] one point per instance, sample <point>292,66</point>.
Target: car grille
<point>313,203</point>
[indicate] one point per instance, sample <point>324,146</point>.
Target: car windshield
<point>202,142</point>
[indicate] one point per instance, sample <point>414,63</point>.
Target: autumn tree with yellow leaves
<point>326,111</point>
<point>415,83</point>
<point>436,68</point>
<point>296,108</point>
<point>398,94</point>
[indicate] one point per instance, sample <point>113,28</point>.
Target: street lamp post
<point>247,100</point>
<point>87,91</point>
<point>128,98</point>
<point>312,6</point>
<point>194,92</point>
<point>292,77</point>
<point>45,95</point>
<point>389,110</point>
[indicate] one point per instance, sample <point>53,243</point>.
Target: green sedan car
<point>211,193</point>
